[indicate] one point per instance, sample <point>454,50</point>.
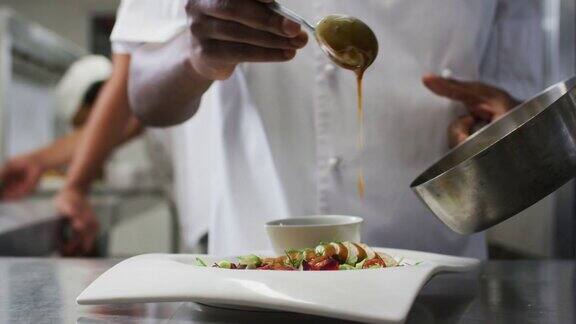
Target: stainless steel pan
<point>506,166</point>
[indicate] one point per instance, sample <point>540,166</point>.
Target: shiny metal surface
<point>34,290</point>
<point>287,13</point>
<point>507,166</point>
<point>19,221</point>
<point>38,218</point>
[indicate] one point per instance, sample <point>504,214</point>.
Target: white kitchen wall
<point>69,18</point>
<point>30,99</point>
<point>531,232</point>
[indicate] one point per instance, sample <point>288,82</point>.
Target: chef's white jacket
<point>279,139</point>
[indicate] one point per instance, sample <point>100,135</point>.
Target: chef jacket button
<point>446,73</point>
<point>333,162</point>
<point>329,69</point>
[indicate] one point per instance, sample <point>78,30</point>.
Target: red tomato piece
<point>326,264</point>
<point>329,264</point>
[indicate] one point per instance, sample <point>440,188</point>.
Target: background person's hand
<point>226,33</point>
<point>485,104</point>
<point>75,207</point>
<point>19,177</point>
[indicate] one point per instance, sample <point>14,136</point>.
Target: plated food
<point>326,256</point>
<point>381,295</point>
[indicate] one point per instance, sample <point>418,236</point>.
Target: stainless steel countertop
<point>30,218</point>
<point>37,217</point>
<point>35,290</point>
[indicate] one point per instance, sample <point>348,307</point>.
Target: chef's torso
<point>282,137</point>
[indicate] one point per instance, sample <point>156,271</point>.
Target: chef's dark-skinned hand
<point>75,207</point>
<point>485,104</point>
<point>228,32</point>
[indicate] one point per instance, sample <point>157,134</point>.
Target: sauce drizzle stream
<point>361,182</point>
<point>351,44</point>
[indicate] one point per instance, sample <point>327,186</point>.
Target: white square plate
<point>370,295</point>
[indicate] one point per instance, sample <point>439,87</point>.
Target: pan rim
<point>565,88</point>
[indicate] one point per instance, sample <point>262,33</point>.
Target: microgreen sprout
<point>200,263</point>
<point>294,262</point>
<point>250,261</point>
<point>224,264</point>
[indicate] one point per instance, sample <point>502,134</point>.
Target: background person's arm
<point>110,120</point>
<point>107,125</point>
<point>167,82</point>
<point>20,175</point>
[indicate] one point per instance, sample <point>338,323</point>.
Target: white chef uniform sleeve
<point>119,47</point>
<point>515,55</point>
<point>147,21</point>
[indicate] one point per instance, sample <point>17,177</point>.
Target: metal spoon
<point>346,40</point>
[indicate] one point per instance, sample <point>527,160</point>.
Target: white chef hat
<point>76,82</point>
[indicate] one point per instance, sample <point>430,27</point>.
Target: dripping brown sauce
<point>360,111</point>
<point>352,45</point>
<point>360,140</point>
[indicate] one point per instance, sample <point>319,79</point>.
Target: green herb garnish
<point>224,264</point>
<point>295,263</point>
<point>360,264</point>
<point>250,261</point>
<point>200,263</point>
<point>346,267</point>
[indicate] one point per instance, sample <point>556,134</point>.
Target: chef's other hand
<point>19,177</point>
<point>484,102</point>
<point>74,206</point>
<point>228,32</point>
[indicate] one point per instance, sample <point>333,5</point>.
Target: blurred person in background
<point>72,200</point>
<point>111,124</point>
<point>76,95</point>
<point>104,130</point>
<point>112,113</point>
<point>79,97</point>
<point>280,139</point>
